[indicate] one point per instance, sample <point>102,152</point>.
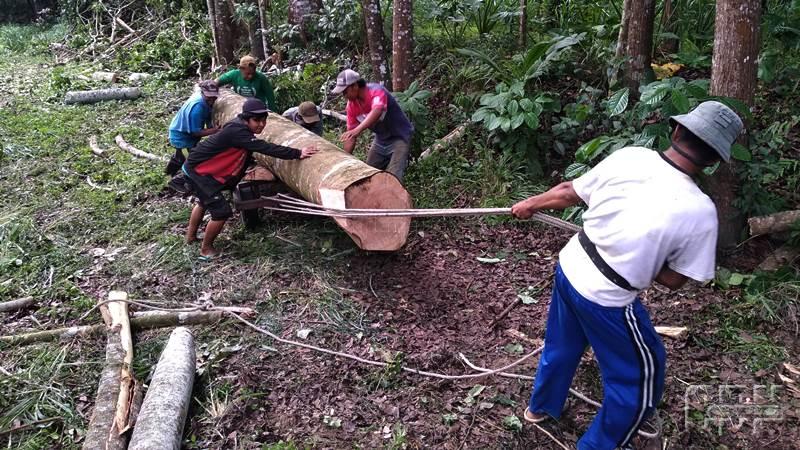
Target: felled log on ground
<point>163,413</point>
<point>101,95</point>
<point>112,403</point>
<point>14,305</point>
<point>108,77</point>
<point>336,115</point>
<point>449,139</point>
<point>140,321</point>
<point>783,256</point>
<point>331,178</point>
<point>773,223</point>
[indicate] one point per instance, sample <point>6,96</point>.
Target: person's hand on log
<point>306,152</point>
<point>350,135</point>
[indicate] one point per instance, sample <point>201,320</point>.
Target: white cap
<point>344,79</point>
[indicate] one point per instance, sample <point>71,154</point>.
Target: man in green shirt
<point>249,82</point>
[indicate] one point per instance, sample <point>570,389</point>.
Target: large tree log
<point>112,402</point>
<point>774,223</point>
<point>101,95</point>
<point>160,422</point>
<point>140,321</point>
<point>332,178</point>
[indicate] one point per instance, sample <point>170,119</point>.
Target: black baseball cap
<point>254,107</point>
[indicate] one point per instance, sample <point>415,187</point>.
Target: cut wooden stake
<point>334,114</point>
<point>331,178</point>
<point>17,304</point>
<point>673,332</point>
<point>136,152</point>
<point>111,405</point>
<point>774,223</point>
<point>140,321</point>
<point>95,148</point>
<point>161,419</point>
<point>101,95</point>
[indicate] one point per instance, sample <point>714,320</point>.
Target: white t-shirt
<point>641,212</point>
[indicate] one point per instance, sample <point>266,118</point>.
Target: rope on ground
<point>483,372</point>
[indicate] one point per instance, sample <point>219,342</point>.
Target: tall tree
<point>639,43</point>
<point>670,45</point>
<point>622,38</point>
<point>733,74</point>
<point>402,44</point>
<point>300,12</point>
<point>523,23</point>
<point>253,26</point>
<point>262,21</point>
<point>221,21</point>
<point>376,41</point>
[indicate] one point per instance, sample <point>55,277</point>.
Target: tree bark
<point>101,95</point>
<point>262,20</point>
<point>225,39</point>
<point>402,44</point>
<point>112,403</point>
<point>774,223</point>
<point>733,74</point>
<point>639,42</point>
<point>523,24</point>
<point>253,25</point>
<point>622,38</point>
<point>17,304</point>
<point>300,12</point>
<point>376,41</point>
<point>211,6</point>
<point>163,413</point>
<point>331,178</point>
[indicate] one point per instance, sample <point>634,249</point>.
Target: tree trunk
<point>622,38</point>
<point>256,47</point>
<point>774,223</point>
<point>733,74</point>
<point>402,44</point>
<point>639,43</point>
<point>112,403</point>
<point>300,12</point>
<point>376,41</point>
<point>262,19</point>
<point>225,39</point>
<point>331,178</point>
<point>211,6</point>
<point>163,413</point>
<point>101,95</point>
<point>523,24</point>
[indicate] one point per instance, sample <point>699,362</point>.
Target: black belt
<point>601,264</point>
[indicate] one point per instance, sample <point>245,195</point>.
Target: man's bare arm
<point>671,279</point>
<point>560,196</point>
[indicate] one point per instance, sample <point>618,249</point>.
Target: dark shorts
<point>216,204</point>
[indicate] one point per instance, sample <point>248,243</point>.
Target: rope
<point>483,372</point>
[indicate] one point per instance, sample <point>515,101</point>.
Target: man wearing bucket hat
<point>192,123</point>
<point>646,221</point>
<point>247,81</point>
<point>218,163</point>
<point>307,115</point>
<point>371,106</point>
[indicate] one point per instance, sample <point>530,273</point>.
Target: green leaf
<point>653,95</point>
<point>591,149</point>
<point>505,124</point>
<point>512,107</point>
<point>492,122</point>
<point>532,120</point>
<point>512,423</point>
<point>736,279</point>
<point>618,102</point>
<point>575,170</point>
<point>473,394</point>
<point>517,121</point>
<point>526,104</point>
<point>680,101</point>
<point>481,114</point>
<point>698,88</point>
<point>504,400</point>
<point>741,152</point>
<point>449,419</point>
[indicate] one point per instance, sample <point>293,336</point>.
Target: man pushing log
<point>646,221</point>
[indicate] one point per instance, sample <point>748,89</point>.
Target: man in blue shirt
<point>191,123</point>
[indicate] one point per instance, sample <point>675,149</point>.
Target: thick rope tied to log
<point>482,372</point>
<point>285,203</point>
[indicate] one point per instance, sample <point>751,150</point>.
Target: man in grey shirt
<point>307,115</point>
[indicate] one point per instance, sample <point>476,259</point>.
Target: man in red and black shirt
<point>219,162</point>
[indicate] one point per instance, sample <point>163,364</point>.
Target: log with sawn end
<point>100,95</point>
<point>331,178</point>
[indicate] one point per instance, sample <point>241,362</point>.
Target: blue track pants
<point>628,350</point>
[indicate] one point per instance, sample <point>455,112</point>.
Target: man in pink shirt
<point>371,106</point>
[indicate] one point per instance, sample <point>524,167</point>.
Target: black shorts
<point>216,204</point>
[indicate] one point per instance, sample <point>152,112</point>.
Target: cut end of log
<point>672,332</point>
<point>380,191</point>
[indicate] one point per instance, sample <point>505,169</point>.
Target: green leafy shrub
<point>414,102</point>
<point>310,84</point>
